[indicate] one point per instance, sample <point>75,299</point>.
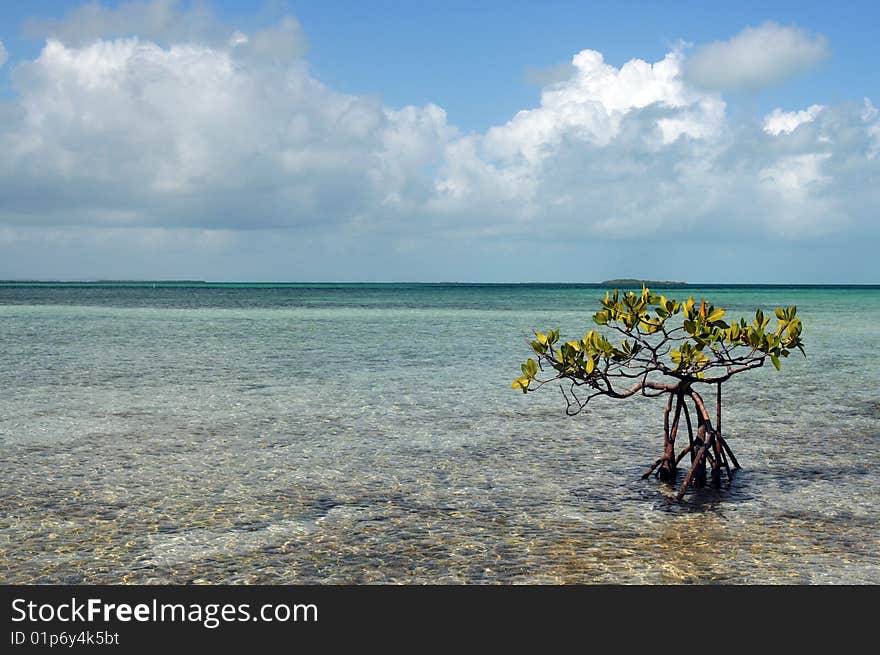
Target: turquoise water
<point>368,433</point>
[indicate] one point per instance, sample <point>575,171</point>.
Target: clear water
<point>368,433</point>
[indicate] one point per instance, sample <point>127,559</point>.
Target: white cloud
<point>756,58</point>
<point>3,54</point>
<point>635,152</point>
<point>601,128</point>
<point>127,132</point>
<point>779,122</point>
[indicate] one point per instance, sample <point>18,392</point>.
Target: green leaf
<point>688,306</point>
<point>648,326</point>
<point>776,363</point>
<point>521,383</point>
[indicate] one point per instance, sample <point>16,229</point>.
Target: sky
<point>440,141</point>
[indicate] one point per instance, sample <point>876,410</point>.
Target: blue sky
<point>508,141</point>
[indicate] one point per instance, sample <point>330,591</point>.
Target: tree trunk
<point>699,477</point>
<point>668,469</point>
<point>706,445</point>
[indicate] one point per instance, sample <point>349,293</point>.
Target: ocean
<point>367,433</point>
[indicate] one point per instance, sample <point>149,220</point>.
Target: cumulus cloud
<point>756,58</point>
<point>602,129</point>
<point>206,143</point>
<point>127,132</point>
<point>778,121</point>
<point>623,153</point>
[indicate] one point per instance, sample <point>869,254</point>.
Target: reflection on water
<point>306,444</point>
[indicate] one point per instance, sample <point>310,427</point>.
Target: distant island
<point>631,282</point>
<point>150,282</point>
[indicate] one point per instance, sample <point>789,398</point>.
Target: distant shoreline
<point>627,282</point>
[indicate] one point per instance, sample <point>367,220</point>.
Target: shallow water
<point>368,433</point>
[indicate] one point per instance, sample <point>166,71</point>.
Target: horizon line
<point>623,282</point>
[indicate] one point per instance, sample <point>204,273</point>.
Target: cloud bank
<point>175,142</point>
<point>126,132</point>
